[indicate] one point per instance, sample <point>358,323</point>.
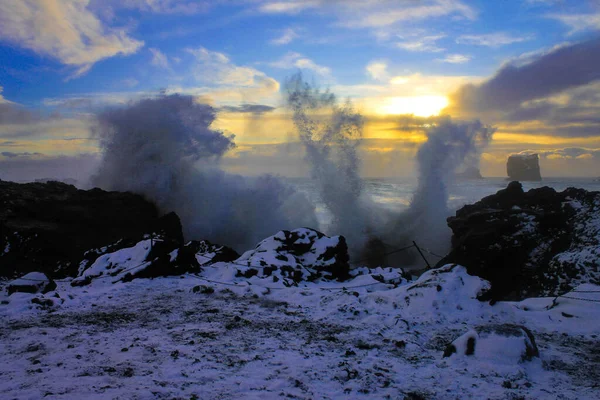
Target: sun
<point>420,106</point>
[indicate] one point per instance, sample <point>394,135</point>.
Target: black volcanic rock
<point>531,243</point>
<point>523,167</point>
<point>48,227</point>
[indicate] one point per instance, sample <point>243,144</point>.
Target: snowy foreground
<point>218,336</point>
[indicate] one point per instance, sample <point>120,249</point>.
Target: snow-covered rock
<point>540,242</point>
<point>499,343</point>
<point>149,258</point>
<point>301,254</point>
<point>207,253</point>
<point>33,282</point>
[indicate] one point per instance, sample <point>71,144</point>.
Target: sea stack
<point>523,167</point>
<point>469,173</point>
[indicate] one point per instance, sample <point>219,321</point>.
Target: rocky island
<point>523,167</point>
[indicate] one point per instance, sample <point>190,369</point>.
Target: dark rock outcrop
<point>523,167</point>
<point>49,226</point>
<point>501,342</point>
<point>535,243</point>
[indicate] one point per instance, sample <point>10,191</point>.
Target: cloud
<point>218,69</point>
<point>20,167</point>
<point>578,22</point>
<point>33,129</point>
<point>286,37</point>
<point>491,39</point>
<point>564,68</point>
<point>9,154</point>
<point>248,108</point>
<point>213,76</point>
<point>130,82</point>
<point>15,114</point>
<point>373,14</point>
<point>159,59</point>
<point>2,99</point>
<point>295,60</point>
<point>455,59</point>
<point>11,113</point>
<point>424,44</point>
<point>424,10</point>
<point>378,70</point>
<point>288,7</point>
<point>187,7</point>
<point>568,153</point>
<point>67,31</point>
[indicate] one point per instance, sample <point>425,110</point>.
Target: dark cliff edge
<point>49,226</point>
<point>535,243</point>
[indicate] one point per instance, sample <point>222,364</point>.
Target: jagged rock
<point>207,253</point>
<point>299,254</point>
<point>33,282</point>
<point>156,255</point>
<point>504,343</point>
<point>523,167</point>
<point>49,226</point>
<point>536,243</point>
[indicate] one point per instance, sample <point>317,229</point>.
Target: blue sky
<point>65,60</point>
<point>342,38</point>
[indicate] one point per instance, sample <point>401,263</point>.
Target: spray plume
<point>449,147</point>
<point>164,149</point>
<point>331,135</point>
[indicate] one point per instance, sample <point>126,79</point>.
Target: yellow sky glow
<point>420,106</point>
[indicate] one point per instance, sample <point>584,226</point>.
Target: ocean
<point>396,194</point>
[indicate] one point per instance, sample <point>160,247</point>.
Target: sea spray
<point>331,134</point>
<point>450,146</point>
<point>164,148</point>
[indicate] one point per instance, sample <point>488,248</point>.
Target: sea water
<point>396,194</point>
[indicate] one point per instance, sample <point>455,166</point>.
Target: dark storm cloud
<point>564,68</point>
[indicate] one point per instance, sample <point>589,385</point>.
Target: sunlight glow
<point>420,106</point>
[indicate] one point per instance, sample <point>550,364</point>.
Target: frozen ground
<point>189,338</point>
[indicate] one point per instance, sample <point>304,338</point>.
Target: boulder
<point>49,226</point>
<point>33,282</point>
<point>301,254</point>
<point>524,167</point>
<point>501,343</point>
<point>535,243</point>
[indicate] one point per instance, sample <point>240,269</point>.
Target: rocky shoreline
<point>536,243</point>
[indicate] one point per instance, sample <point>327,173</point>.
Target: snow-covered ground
<point>218,336</point>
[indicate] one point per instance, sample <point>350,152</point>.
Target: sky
<point>527,67</point>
